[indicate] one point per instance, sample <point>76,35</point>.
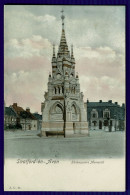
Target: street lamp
<point>64,115</point>
<point>115,121</point>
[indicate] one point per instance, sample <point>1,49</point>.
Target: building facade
<point>39,120</point>
<point>24,117</point>
<point>10,118</point>
<point>105,116</point>
<point>63,111</point>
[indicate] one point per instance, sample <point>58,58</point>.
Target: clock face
<point>58,76</point>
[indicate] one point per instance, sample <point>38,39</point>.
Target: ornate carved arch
<point>76,107</point>
<point>56,104</point>
<point>56,112</point>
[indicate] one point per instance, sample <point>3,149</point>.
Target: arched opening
<point>94,115</point>
<point>55,90</point>
<point>56,112</point>
<point>74,113</point>
<point>71,75</point>
<point>62,89</point>
<point>56,122</point>
<point>94,123</point>
<point>59,90</point>
<point>100,124</point>
<point>58,109</point>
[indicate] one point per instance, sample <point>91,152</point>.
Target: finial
<point>72,50</point>
<point>49,74</point>
<point>77,76</point>
<point>53,50</point>
<point>62,17</point>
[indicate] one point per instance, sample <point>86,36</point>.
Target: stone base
<point>71,129</point>
<point>76,128</point>
<point>52,128</point>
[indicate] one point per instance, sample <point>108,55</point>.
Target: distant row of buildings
<point>15,117</point>
<point>107,116</point>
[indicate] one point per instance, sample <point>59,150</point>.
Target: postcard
<point>64,98</point>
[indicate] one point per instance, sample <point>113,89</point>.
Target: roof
<point>115,109</point>
<point>29,115</point>
<point>37,116</point>
<point>9,111</point>
<point>101,104</point>
<point>17,108</point>
<point>22,113</point>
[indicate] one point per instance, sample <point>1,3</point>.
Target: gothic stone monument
<point>63,110</point>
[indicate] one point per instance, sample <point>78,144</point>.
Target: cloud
<point>98,36</point>
<point>26,88</point>
<point>104,88</point>
<point>26,48</point>
<point>100,26</point>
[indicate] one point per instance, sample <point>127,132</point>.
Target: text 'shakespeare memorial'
<point>63,111</point>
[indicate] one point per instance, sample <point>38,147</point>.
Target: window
<point>94,113</point>
<point>106,113</point>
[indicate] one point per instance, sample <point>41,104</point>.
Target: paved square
<point>99,144</point>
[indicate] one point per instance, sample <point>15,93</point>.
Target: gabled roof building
<point>25,117</point>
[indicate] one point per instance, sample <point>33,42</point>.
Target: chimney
<point>110,101</point>
<point>15,104</point>
<point>100,101</point>
<point>116,103</point>
<point>123,105</point>
<point>28,109</point>
<point>87,101</point>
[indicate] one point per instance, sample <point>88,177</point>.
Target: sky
<point>98,37</point>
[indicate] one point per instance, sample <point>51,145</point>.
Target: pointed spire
<point>63,47</point>
<point>62,17</point>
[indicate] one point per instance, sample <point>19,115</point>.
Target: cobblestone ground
<point>99,144</point>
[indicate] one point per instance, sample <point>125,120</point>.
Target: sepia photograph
<point>64,98</point>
